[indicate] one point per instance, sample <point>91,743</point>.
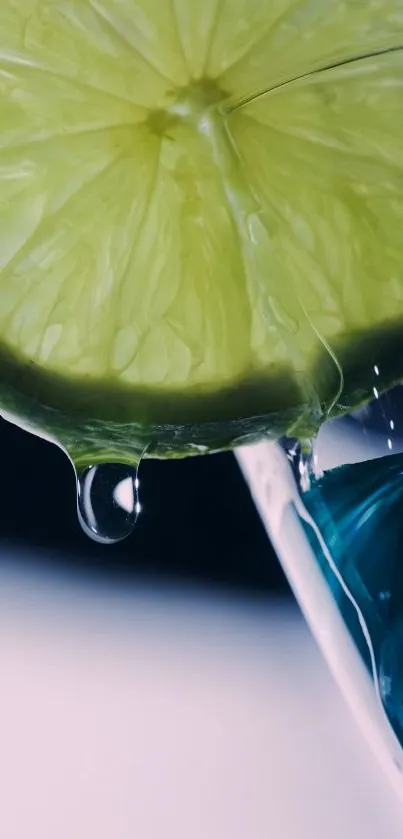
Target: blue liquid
<point>359,511</point>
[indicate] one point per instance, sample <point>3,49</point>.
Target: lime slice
<point>200,217</point>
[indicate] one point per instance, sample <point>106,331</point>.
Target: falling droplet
<point>107,501</point>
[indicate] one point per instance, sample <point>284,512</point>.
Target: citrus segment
<point>198,203</point>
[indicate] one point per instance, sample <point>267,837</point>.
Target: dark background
<point>198,523</point>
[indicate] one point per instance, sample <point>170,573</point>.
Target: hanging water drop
<point>107,501</point>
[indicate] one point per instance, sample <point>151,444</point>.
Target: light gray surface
<point>157,713</point>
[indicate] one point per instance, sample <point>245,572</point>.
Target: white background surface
<point>144,713</point>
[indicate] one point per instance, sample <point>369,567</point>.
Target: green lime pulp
<point>200,218</point>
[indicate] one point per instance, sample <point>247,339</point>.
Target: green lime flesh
<point>200,218</point>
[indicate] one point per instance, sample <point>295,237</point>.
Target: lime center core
<point>193,104</point>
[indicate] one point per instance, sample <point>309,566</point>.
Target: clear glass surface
<point>334,511</point>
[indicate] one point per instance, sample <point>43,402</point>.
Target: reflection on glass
<point>345,489</point>
<point>358,507</point>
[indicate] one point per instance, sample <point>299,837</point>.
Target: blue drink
<point>334,511</point>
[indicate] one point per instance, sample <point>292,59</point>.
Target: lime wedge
<point>200,217</point>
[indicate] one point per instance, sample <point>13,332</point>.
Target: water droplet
<point>107,501</point>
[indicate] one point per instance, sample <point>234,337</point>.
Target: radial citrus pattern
<point>195,195</point>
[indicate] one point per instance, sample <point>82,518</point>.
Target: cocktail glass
<point>333,509</point>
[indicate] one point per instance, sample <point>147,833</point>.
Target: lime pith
<point>200,208</point>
